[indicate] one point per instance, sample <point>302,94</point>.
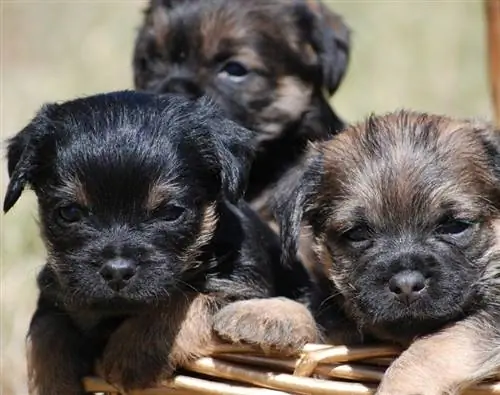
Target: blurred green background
<point>427,55</point>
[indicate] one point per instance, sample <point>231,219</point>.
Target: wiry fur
<point>157,184</point>
<point>294,54</point>
<point>401,192</point>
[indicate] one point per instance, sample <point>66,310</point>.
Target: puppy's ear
<point>233,149</point>
<point>330,38</point>
<point>21,157</point>
<point>294,201</point>
<point>236,153</point>
<point>490,137</point>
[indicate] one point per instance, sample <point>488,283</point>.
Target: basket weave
<point>320,370</point>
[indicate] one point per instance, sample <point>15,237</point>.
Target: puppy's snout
<point>118,272</point>
<point>407,286</point>
<point>183,86</point>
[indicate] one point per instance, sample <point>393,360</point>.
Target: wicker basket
<point>320,370</point>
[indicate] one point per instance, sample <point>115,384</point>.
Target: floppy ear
<point>233,149</point>
<point>293,200</point>
<point>329,37</point>
<point>21,157</point>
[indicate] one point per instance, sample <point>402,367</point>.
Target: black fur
<point>185,46</point>
<point>103,155</point>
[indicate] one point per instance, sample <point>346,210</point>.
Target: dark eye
<point>357,233</point>
<point>170,212</point>
<point>71,213</point>
<point>452,226</point>
<point>234,70</point>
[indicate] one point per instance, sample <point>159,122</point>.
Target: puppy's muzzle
<point>180,85</point>
<point>118,272</point>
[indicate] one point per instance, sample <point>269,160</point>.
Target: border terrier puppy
<point>147,236</point>
<point>405,211</point>
<point>270,65</point>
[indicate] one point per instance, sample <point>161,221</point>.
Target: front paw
<point>401,379</point>
<point>271,324</point>
<point>129,369</point>
<point>137,355</point>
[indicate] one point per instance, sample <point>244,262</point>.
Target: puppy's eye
<point>170,212</point>
<point>71,213</point>
<point>234,70</point>
<point>357,234</point>
<point>452,226</point>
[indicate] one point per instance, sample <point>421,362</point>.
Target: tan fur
<point>293,96</point>
<point>195,337</point>
<point>205,234</point>
<point>448,361</point>
<point>159,193</point>
<point>249,57</point>
<point>75,190</point>
<point>160,341</point>
<point>306,250</point>
<point>275,323</point>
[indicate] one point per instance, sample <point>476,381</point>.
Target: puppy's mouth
<point>403,317</point>
<point>125,301</point>
<point>122,303</point>
<point>119,298</point>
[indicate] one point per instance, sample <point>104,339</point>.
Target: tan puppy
<point>405,211</point>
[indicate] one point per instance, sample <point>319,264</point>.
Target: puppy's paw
<point>405,378</point>
<point>129,369</point>
<point>138,354</point>
<point>270,324</point>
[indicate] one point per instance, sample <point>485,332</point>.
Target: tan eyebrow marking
<point>159,193</point>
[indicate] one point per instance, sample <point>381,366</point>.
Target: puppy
<point>147,236</point>
<point>405,211</point>
<point>270,65</point>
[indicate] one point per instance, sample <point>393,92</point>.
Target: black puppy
<point>147,237</point>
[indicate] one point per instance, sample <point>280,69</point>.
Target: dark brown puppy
<point>140,200</point>
<point>270,64</point>
<point>405,211</point>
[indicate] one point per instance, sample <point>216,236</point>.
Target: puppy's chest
<point>96,328</point>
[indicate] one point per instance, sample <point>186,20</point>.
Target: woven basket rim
<point>242,370</point>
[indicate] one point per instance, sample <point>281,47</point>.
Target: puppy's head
<point>128,187</point>
<point>266,63</point>
<point>404,208</point>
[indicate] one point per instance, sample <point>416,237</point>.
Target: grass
<point>426,55</point>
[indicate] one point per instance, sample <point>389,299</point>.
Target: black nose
<point>118,272</point>
<point>407,285</point>
<point>182,86</point>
